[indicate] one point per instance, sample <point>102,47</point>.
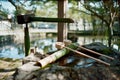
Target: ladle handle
<point>80,53</point>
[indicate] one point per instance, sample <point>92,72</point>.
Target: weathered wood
<point>62,29</point>
<point>55,56</point>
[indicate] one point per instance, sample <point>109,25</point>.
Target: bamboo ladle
<point>60,45</point>
<point>68,42</point>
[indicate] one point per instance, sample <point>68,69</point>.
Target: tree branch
<point>87,7</point>
<point>13,3</point>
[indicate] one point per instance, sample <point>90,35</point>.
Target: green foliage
<point>106,11</point>
<point>4,13</point>
<point>106,51</point>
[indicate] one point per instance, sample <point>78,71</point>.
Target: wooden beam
<point>43,19</point>
<point>23,19</point>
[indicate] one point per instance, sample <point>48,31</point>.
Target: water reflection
<point>116,43</point>
<point>10,49</point>
<point>90,39</point>
<point>48,44</point>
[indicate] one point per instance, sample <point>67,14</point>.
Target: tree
<point>106,10</point>
<point>20,7</point>
<point>20,10</point>
<point>3,12</point>
<point>45,8</point>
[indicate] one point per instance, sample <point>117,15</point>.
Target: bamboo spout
<point>55,56</point>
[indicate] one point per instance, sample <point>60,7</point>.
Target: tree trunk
<point>84,24</point>
<point>94,25</point>
<point>110,34</point>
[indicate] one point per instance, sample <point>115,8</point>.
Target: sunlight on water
<point>13,50</point>
<point>16,51</point>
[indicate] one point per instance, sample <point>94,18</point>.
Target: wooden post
<point>26,40</point>
<point>62,30</point>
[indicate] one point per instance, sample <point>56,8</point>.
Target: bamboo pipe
<point>80,53</point>
<point>55,56</point>
<point>67,42</point>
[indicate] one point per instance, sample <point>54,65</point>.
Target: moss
<point>106,51</point>
<point>6,59</point>
<point>5,77</point>
<point>9,59</point>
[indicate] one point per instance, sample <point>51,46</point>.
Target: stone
<point>33,57</point>
<point>96,71</point>
<point>25,71</point>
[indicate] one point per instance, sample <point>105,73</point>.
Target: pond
<point>11,49</point>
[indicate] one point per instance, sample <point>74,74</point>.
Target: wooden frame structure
<point>62,30</point>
